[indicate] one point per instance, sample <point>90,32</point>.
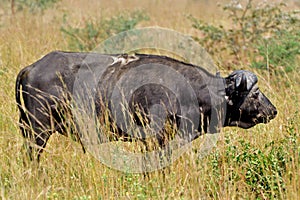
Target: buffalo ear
<point>241,82</point>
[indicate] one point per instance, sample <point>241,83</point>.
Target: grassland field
<point>257,163</point>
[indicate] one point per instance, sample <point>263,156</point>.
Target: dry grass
<point>66,173</point>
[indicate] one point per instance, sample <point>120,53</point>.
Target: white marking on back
<point>124,59</point>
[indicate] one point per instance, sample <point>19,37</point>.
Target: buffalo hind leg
<point>35,140</point>
<point>41,140</point>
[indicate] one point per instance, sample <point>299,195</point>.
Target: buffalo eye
<point>255,94</point>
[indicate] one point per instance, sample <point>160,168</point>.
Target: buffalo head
<point>246,104</point>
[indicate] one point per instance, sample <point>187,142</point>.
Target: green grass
<point>259,163</point>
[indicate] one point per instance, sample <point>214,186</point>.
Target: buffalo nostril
<point>275,112</point>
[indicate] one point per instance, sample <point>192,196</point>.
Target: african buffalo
<point>46,88</point>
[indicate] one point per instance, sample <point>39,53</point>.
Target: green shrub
<point>281,50</point>
<point>93,32</point>
<point>262,169</point>
<point>35,5</point>
<point>254,30</point>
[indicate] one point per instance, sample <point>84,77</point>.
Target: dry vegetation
<point>259,163</point>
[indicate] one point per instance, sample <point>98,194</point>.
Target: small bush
<point>93,32</point>
<point>281,50</point>
<point>262,169</point>
<point>254,29</point>
<point>35,5</point>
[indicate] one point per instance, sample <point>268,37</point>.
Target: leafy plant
<point>93,32</point>
<point>35,5</point>
<point>281,50</point>
<point>252,26</point>
<point>262,169</point>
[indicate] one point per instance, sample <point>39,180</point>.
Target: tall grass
<point>259,163</point>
